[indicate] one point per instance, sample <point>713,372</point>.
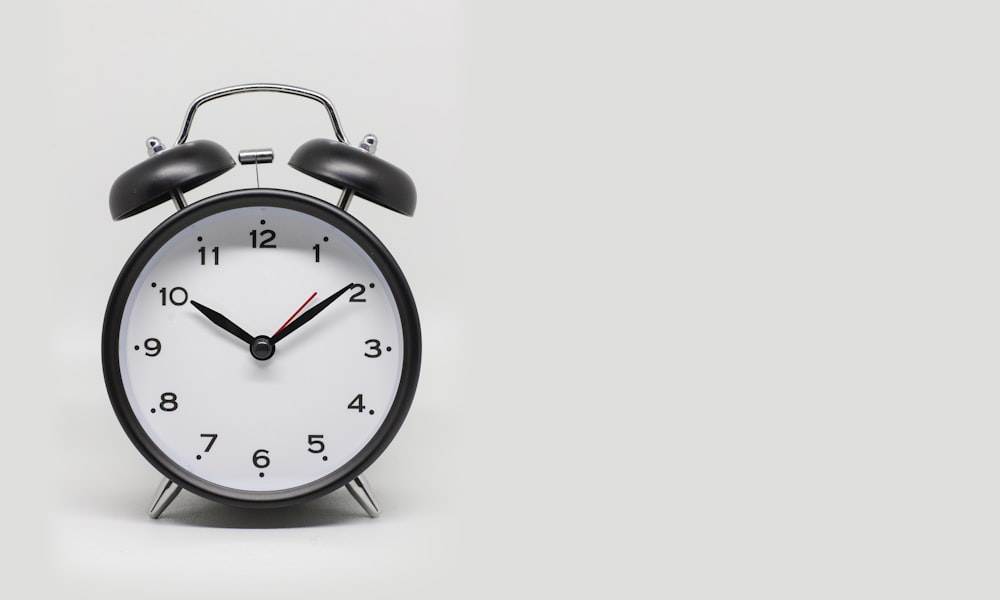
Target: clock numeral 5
<point>316,444</point>
<point>178,296</point>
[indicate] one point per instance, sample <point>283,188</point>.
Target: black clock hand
<point>223,322</point>
<point>309,314</point>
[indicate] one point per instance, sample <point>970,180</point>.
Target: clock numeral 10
<point>178,296</point>
<point>214,252</point>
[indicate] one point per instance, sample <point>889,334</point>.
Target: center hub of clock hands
<point>262,347</point>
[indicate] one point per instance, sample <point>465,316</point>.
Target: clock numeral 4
<point>358,403</point>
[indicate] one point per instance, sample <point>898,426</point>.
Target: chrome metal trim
<point>165,494</point>
<point>261,87</point>
<point>362,492</point>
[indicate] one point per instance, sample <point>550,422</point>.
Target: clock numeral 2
<point>356,297</point>
<point>264,240</point>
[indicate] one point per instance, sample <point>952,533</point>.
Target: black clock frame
<point>280,199</point>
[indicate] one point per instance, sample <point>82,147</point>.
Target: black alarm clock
<point>261,347</point>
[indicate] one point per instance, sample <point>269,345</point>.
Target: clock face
<point>261,346</point>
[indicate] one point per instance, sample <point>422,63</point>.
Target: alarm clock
<point>261,347</point>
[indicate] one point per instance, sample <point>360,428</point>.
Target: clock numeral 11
<point>214,252</point>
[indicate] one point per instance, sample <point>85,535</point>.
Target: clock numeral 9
<point>264,240</point>
<point>375,347</point>
<point>152,346</point>
<point>214,251</point>
<point>260,459</point>
<point>316,444</point>
<point>358,403</point>
<point>178,296</point>
<point>168,402</point>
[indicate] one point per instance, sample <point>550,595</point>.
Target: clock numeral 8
<point>260,459</point>
<point>168,402</point>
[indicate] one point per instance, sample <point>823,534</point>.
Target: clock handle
<point>261,87</point>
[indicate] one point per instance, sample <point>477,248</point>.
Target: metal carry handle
<point>261,87</point>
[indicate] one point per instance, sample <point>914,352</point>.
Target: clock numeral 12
<point>266,239</point>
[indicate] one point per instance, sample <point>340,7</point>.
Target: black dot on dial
<point>137,347</point>
<point>262,222</point>
<point>153,284</point>
<point>371,412</point>
<point>199,238</point>
<point>388,348</point>
<point>198,457</point>
<point>325,458</point>
<point>371,285</point>
<point>261,474</point>
<point>152,410</point>
<point>326,239</point>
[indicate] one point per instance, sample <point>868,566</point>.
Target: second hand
<point>285,324</point>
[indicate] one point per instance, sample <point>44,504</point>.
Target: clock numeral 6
<point>316,444</point>
<point>168,402</point>
<point>177,296</point>
<point>260,459</point>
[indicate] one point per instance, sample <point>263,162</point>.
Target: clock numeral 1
<point>316,250</point>
<point>214,251</point>
<point>178,296</point>
<point>264,240</point>
<point>358,403</point>
<point>316,444</point>
<point>168,402</point>
<point>260,459</point>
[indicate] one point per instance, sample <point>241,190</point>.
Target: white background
<point>708,291</point>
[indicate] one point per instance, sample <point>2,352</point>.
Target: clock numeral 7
<point>211,442</point>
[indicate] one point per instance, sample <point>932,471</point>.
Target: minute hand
<point>310,314</point>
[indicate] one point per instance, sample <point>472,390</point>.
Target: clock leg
<point>362,492</point>
<point>165,494</point>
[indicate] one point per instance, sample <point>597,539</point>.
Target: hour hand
<point>223,322</point>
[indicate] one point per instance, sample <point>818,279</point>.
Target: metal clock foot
<point>165,494</point>
<point>362,492</point>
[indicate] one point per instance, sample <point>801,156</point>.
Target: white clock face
<point>274,421</point>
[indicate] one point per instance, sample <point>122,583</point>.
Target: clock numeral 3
<point>375,347</point>
<point>260,459</point>
<point>178,296</point>
<point>264,240</point>
<point>168,402</point>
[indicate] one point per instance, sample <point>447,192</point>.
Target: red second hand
<point>295,315</point>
